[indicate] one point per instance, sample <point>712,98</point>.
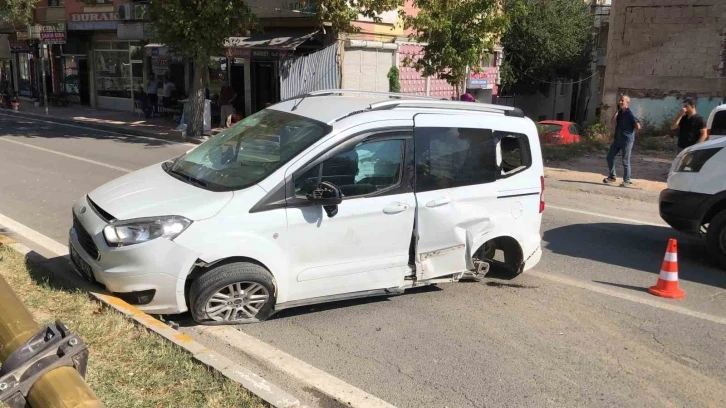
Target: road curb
<point>606,190</point>
<point>105,127</point>
<point>257,385</point>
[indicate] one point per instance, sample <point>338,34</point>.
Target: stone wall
<point>662,48</point>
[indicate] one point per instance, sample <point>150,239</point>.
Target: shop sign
<point>36,31</point>
<point>53,37</point>
<point>253,53</point>
<point>19,46</point>
<point>131,31</point>
<point>481,80</point>
<point>159,65</point>
<point>93,21</point>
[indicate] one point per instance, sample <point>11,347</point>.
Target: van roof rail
<point>325,92</point>
<point>446,104</point>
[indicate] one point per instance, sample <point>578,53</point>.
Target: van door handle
<point>438,202</point>
<point>395,208</point>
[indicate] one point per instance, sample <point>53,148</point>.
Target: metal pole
<point>60,388</point>
<point>45,87</point>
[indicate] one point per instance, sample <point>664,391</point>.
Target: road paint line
<point>156,139</point>
<point>301,371</point>
<point>627,296</point>
<point>612,217</point>
<point>257,385</point>
<point>254,348</point>
<point>34,236</point>
<point>70,156</point>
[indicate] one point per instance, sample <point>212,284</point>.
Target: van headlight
<point>693,161</point>
<point>123,233</point>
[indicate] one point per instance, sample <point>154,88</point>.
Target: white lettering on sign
<point>85,17</point>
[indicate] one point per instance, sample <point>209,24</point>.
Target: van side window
<point>515,153</point>
<point>718,127</point>
<point>454,157</point>
<point>369,167</point>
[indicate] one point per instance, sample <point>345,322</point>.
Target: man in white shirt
<point>167,91</point>
<point>152,90</point>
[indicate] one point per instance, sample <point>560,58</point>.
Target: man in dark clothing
<point>625,126</point>
<point>691,126</point>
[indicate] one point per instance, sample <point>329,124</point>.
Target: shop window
<point>71,79</point>
<point>56,3</point>
<point>114,76</point>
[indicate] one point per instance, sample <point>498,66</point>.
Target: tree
<point>457,35</point>
<point>340,14</point>
<point>16,12</point>
<point>198,29</point>
<point>548,40</point>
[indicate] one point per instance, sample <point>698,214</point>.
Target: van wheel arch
<point>513,263</point>
<point>201,267</point>
<point>714,210</point>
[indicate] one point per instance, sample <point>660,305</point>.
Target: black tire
<point>218,281</point>
<point>716,240</point>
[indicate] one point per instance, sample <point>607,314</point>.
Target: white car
<point>334,195</point>
<point>695,200</point>
<point>716,123</point>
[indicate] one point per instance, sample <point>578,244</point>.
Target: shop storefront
<point>25,61</point>
<point>118,68</point>
<point>73,69</point>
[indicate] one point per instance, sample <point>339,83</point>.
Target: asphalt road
<point>568,334</point>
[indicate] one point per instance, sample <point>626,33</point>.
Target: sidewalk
<point>113,121</point>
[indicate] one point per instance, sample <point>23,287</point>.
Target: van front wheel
<point>234,293</point>
<point>716,240</point>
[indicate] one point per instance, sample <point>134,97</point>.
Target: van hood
<point>151,192</point>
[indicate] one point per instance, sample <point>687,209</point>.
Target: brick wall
<point>661,48</point>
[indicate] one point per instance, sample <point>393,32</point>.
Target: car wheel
<point>716,240</point>
<point>234,293</point>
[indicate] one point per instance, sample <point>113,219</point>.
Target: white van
<point>695,200</point>
<point>334,195</point>
<point>716,123</point>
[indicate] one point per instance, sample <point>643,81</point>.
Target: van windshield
<point>248,152</point>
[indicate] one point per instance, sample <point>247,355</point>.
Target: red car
<point>558,132</point>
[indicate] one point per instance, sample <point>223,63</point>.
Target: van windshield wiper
<point>189,178</point>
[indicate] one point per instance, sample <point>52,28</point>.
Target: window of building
<point>562,89</point>
<point>370,167</point>
<point>454,157</point>
<point>71,80</point>
<point>118,68</point>
<point>560,115</point>
<point>514,151</point>
<point>56,3</point>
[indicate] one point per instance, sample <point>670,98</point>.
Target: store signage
<point>159,65</point>
<point>19,46</point>
<point>482,80</point>
<point>53,37</point>
<point>253,53</point>
<point>93,21</point>
<point>36,31</point>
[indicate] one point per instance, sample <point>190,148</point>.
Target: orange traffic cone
<point>667,285</point>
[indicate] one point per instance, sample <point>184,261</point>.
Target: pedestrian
<point>626,123</point>
<point>167,92</point>
<point>227,95</point>
<point>152,90</point>
<point>691,126</point>
<point>467,97</point>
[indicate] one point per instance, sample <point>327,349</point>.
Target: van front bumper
<point>682,210</point>
<point>152,275</point>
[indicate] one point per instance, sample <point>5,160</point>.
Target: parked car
<point>695,200</point>
<point>716,124</point>
<point>558,132</point>
<point>334,195</point>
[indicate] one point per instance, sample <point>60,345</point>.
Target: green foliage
<point>458,34</point>
<point>341,13</point>
<point>548,39</point>
<point>597,132</point>
<point>394,83</point>
<point>651,128</point>
<point>16,12</point>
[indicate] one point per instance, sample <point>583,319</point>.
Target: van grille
<point>84,238</point>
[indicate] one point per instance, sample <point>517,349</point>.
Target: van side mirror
<point>328,195</point>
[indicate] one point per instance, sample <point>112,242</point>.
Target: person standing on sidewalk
<point>152,90</point>
<point>227,96</point>
<point>625,126</point>
<point>691,126</point>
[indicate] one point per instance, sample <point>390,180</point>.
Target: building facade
<point>661,51</point>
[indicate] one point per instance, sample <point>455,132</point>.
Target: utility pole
<point>40,367</point>
<point>43,51</point>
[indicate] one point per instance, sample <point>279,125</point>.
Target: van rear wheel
<point>235,293</point>
<point>716,240</point>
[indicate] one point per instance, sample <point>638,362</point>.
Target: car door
<point>455,171</point>
<point>365,246</point>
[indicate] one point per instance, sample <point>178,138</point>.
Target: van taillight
<point>541,196</point>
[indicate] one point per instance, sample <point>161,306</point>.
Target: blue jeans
<point>615,148</point>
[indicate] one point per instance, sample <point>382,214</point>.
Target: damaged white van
<point>333,195</point>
